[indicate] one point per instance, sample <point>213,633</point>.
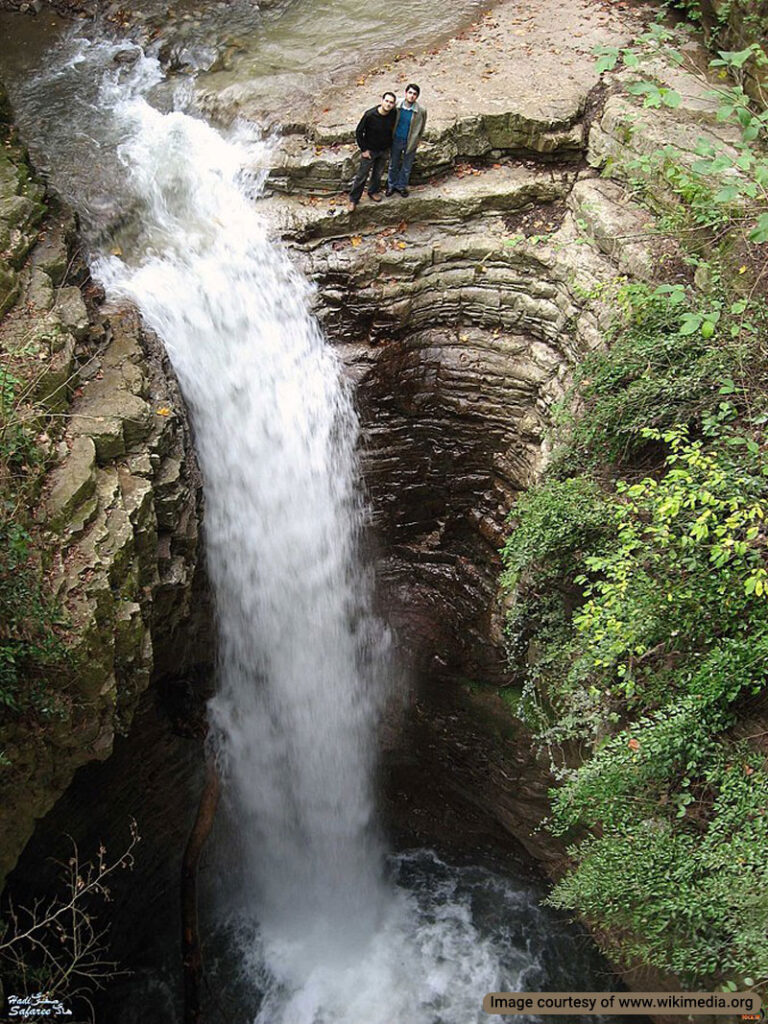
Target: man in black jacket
<point>374,137</point>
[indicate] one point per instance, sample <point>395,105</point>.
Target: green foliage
<point>689,557</point>
<point>668,635</point>
<point>728,185</point>
<point>672,355</point>
<point>18,452</point>
<point>555,521</point>
<point>639,627</point>
<point>30,649</point>
<point>33,658</point>
<point>689,896</point>
<point>655,95</point>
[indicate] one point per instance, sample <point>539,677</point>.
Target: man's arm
<point>361,130</point>
<point>423,124</point>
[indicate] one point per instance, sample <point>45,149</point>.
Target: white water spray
<point>275,430</point>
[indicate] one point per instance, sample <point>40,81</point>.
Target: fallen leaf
<point>356,239</point>
<point>163,411</point>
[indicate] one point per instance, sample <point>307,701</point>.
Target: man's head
<point>412,93</point>
<point>388,101</point>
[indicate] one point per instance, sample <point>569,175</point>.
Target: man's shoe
<point>375,196</point>
<point>390,191</point>
<point>404,192</point>
<point>351,206</point>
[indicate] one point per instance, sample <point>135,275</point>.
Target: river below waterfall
<point>310,921</point>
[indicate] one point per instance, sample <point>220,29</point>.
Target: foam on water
<point>449,935</point>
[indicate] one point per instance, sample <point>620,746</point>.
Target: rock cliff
<point>116,516</point>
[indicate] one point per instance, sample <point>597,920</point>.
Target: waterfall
<point>302,662</point>
<point>299,653</point>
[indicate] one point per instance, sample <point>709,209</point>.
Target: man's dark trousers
<point>373,163</point>
<point>400,165</point>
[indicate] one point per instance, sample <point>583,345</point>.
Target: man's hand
<point>367,154</point>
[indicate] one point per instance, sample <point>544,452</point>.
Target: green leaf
<point>725,112</point>
<point>735,58</point>
<point>608,58</point>
<point>690,323</point>
<point>721,163</point>
<point>760,232</point>
<point>702,166</point>
<point>675,293</point>
<point>642,88</point>
<point>727,194</point>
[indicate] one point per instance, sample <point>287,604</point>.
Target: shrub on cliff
<point>639,629</point>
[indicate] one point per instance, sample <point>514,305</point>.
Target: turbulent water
<point>322,930</point>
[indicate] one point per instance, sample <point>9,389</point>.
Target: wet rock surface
<point>459,313</point>
<point>515,80</point>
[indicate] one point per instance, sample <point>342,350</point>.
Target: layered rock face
<point>459,313</point>
<point>118,514</point>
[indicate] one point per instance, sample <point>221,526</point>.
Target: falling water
<point>275,428</point>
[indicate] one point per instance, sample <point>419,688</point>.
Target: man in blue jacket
<point>409,127</point>
<point>374,137</point>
